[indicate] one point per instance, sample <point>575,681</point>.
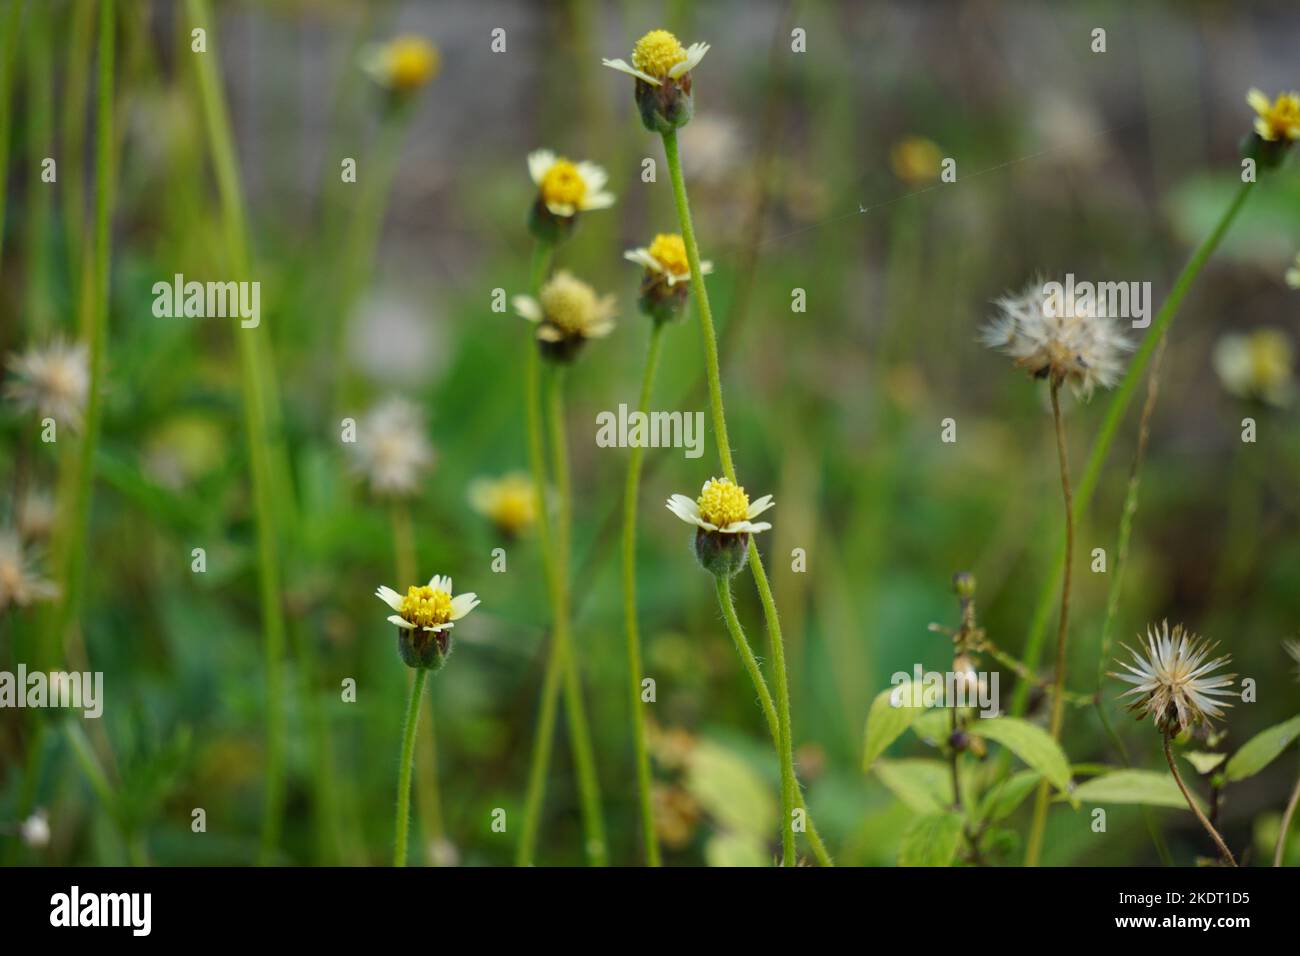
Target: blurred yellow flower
<point>403,64</point>
<point>509,502</point>
<point>567,188</point>
<point>1256,365</point>
<point>666,257</point>
<point>566,312</point>
<point>1278,120</point>
<point>915,160</point>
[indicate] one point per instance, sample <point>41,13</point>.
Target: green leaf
<point>1259,751</point>
<point>730,790</point>
<point>1031,744</point>
<point>1002,799</point>
<point>1203,760</point>
<point>924,785</point>
<point>931,840</point>
<point>886,723</point>
<point>1149,787</point>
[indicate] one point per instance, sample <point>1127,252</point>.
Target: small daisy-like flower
<point>1057,340</point>
<point>20,585</point>
<point>509,502</point>
<point>722,506</point>
<point>53,381</point>
<point>1257,366</point>
<point>1293,274</point>
<point>35,830</point>
<point>425,616</point>
<point>564,189</point>
<point>667,273</point>
<point>566,312</point>
<point>1279,120</point>
<point>723,516</point>
<point>915,160</point>
<point>392,450</point>
<point>403,64</point>
<point>662,67</point>
<point>1173,679</point>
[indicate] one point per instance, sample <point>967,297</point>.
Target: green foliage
<point>1258,752</point>
<point>886,723</point>
<point>931,840</point>
<point>1148,787</point>
<point>1031,744</point>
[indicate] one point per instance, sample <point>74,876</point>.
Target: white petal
<point>440,583</point>
<point>400,622</point>
<point>706,267</point>
<point>753,526</point>
<point>642,257</point>
<point>598,201</point>
<point>1258,101</point>
<point>549,333</point>
<point>593,176</point>
<point>561,209</point>
<point>694,54</point>
<point>757,507</point>
<point>539,161</point>
<point>462,604</point>
<point>598,330</point>
<point>685,508</point>
<point>622,67</point>
<point>389,597</point>
<point>439,627</point>
<point>528,307</point>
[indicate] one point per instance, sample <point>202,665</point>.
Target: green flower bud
<point>424,650</point>
<point>720,553</point>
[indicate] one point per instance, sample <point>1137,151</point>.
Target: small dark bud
<point>424,650</point>
<point>722,555</point>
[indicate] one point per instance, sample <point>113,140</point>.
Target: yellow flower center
<point>656,53</point>
<point>425,606</point>
<point>513,510</point>
<point>563,184</point>
<point>722,502</point>
<point>1283,118</point>
<point>412,61</point>
<point>568,303</point>
<point>670,252</point>
<point>1270,360</point>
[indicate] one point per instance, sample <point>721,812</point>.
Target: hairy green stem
<point>709,336</point>
<point>256,414</point>
<point>634,675</point>
<point>404,768</point>
<point>746,653</point>
<point>1110,426</point>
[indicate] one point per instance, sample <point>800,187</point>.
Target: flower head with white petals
<point>662,68</point>
<point>1173,680</point>
<point>566,312</point>
<point>424,617</point>
<point>567,188</point>
<point>392,449</point>
<point>53,381</point>
<point>722,507</point>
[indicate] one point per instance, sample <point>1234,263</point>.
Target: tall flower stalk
<point>566,312</point>
<point>631,491</point>
<point>252,364</point>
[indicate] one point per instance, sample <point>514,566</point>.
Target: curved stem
<point>737,632</point>
<point>789,792</point>
<point>1191,802</point>
<point>404,768</point>
<point>1287,814</point>
<point>1062,630</point>
<point>634,675</point>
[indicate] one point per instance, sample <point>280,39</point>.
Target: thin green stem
<point>428,800</point>
<point>1110,426</point>
<point>1287,814</point>
<point>412,721</point>
<point>256,414</point>
<point>634,675</point>
<point>584,758</point>
<point>71,547</point>
<point>746,653</point>
<point>1035,846</point>
<point>1191,802</point>
<point>535,793</point>
<point>789,791</point>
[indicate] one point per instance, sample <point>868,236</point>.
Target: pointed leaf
<point>931,840</point>
<point>886,722</point>
<point>1030,743</point>
<point>1258,752</point>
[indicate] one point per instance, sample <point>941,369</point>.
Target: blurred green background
<point>1108,165</point>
